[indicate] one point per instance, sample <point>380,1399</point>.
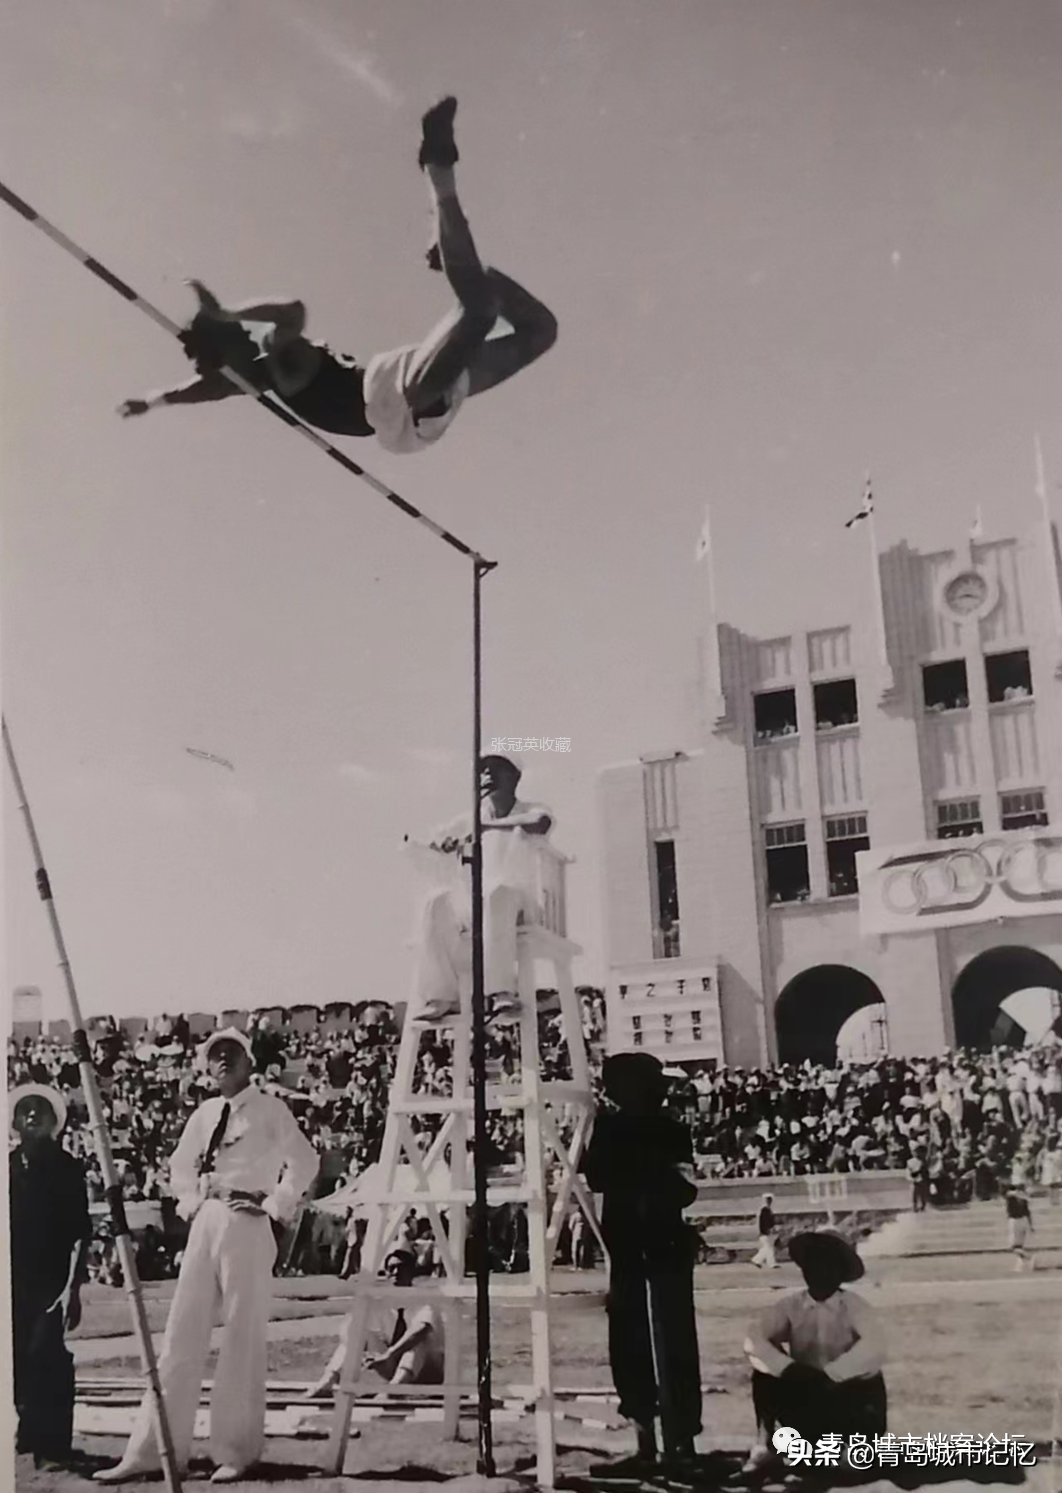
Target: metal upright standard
<point>480,1231</point>
<point>98,1123</point>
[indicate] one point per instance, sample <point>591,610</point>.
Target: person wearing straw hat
<point>817,1354</point>
<point>407,397</point>
<point>241,1162</point>
<point>50,1232</point>
<point>510,827</point>
<point>640,1159</point>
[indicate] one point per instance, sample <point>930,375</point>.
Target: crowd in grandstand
<point>962,1125</point>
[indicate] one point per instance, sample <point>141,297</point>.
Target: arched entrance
<point>815,1005</point>
<point>990,980</point>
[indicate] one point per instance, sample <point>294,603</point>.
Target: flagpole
<point>714,682</point>
<point>875,581</point>
<point>1054,584</point>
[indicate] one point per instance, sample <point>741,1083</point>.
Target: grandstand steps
<point>979,1228</point>
<point>971,1228</point>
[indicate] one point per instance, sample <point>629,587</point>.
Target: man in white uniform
<point>510,829</point>
<point>407,397</point>
<point>241,1162</point>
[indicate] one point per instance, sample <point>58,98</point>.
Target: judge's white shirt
<point>840,1335</point>
<point>508,854</point>
<point>262,1150</point>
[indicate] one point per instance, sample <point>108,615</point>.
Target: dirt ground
<point>972,1348</point>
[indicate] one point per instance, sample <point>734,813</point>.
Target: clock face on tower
<point>966,593</point>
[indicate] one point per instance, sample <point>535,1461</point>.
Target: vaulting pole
<point>98,1125</point>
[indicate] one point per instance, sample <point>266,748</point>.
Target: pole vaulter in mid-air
<point>407,397</point>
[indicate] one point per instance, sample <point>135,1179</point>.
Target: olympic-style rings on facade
<point>964,877</point>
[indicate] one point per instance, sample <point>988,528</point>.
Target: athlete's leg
<point>459,344</point>
<point>448,351</point>
<point>534,331</point>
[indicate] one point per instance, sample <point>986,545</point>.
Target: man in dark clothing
<point>50,1232</point>
<point>641,1161</point>
<point>765,1227</point>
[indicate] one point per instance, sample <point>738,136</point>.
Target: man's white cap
<point>512,757</point>
<point>226,1034</point>
<point>39,1091</point>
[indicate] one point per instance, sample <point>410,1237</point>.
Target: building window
<point>1023,810</point>
<point>1008,676</point>
<point>835,704</point>
<point>846,836</point>
<point>959,817</point>
<point>788,878</point>
<point>775,714</point>
<point>944,686</point>
<point>661,795</point>
<point>666,943</point>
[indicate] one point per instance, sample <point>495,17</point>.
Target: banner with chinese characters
<point>672,1012</point>
<point>951,883</point>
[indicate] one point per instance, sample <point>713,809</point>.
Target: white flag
<point>704,539</point>
<point>866,508</point>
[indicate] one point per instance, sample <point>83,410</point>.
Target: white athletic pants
<point>228,1263</point>
<point>765,1254</point>
<point>444,945</point>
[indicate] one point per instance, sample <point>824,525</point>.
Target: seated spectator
<point>416,1348</point>
<point>817,1354</point>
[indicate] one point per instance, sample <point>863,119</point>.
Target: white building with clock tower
<point>870,816</point>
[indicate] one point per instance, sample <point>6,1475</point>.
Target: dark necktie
<point>207,1163</point>
<point>400,1327</point>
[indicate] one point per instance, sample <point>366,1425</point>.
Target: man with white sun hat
<point>241,1161</point>
<point>50,1231</point>
<point>511,827</point>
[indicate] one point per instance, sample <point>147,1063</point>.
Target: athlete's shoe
<point>437,147</point>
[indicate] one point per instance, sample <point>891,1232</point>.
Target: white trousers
<point>444,945</point>
<point>765,1254</point>
<point>228,1264</point>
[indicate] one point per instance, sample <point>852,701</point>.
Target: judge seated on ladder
<point>515,891</point>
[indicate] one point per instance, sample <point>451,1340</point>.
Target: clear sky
<point>785,242</point>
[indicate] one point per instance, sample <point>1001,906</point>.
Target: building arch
<point>814,1006</point>
<point>986,982</point>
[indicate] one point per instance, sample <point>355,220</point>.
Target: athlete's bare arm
<point>201,390</point>
<point>287,318</point>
